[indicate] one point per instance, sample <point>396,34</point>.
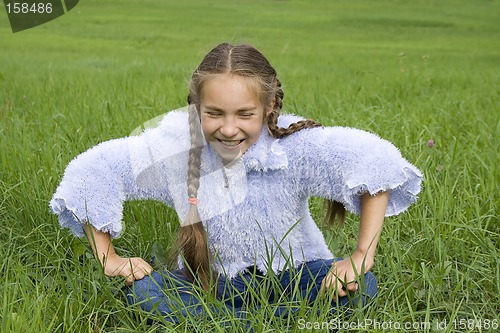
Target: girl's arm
<point>345,272</point>
<point>339,163</point>
<point>98,182</point>
<point>114,265</point>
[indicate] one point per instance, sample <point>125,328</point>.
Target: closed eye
<point>213,114</point>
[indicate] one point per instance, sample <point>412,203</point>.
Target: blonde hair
<point>246,61</point>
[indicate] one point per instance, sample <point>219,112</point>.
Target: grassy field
<point>411,71</point>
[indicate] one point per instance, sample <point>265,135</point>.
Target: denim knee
<point>164,294</point>
<point>148,293</point>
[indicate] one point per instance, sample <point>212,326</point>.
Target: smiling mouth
<point>231,143</point>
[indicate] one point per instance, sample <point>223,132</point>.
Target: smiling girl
<point>239,174</point>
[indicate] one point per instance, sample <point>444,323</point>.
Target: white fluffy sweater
<point>256,211</point>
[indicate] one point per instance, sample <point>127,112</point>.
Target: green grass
<point>408,70</point>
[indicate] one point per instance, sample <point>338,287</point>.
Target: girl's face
<point>231,115</point>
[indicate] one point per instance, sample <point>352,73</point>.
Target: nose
<point>229,127</point>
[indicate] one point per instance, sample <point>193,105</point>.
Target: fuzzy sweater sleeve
<point>97,182</point>
<point>341,164</point>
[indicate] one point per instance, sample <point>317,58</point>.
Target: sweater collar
<point>265,155</point>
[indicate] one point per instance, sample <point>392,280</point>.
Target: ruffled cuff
<point>404,186</point>
<point>73,219</point>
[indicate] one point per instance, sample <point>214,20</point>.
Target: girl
<point>239,175</point>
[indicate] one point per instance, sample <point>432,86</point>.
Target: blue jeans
<point>171,295</point>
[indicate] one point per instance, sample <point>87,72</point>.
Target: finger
<point>136,274</point>
<point>141,273</point>
<point>334,284</point>
<point>352,286</point>
<point>128,272</point>
<point>326,284</point>
<point>140,268</point>
<point>147,269</point>
<point>341,292</point>
<point>142,264</point>
<point>129,280</point>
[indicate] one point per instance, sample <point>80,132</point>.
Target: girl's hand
<point>130,268</point>
<point>114,265</point>
<point>342,277</point>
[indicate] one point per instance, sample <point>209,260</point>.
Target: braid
<point>194,162</point>
<point>192,238</point>
<point>278,104</point>
<point>272,118</point>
